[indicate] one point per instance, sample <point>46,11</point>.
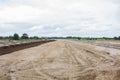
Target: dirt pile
<point>60,60</point>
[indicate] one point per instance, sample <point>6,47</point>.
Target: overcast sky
<point>85,18</point>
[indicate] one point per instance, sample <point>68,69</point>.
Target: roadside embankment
<point>19,46</point>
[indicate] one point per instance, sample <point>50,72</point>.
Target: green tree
<point>119,37</point>
<point>24,36</point>
<point>79,38</point>
<point>1,37</point>
<point>15,36</point>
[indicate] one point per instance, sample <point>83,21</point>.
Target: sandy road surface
<point>61,60</point>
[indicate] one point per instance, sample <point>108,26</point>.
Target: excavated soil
<point>61,60</point>
<point>5,49</point>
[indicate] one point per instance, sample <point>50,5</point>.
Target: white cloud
<point>18,14</point>
<point>63,17</point>
<point>35,28</point>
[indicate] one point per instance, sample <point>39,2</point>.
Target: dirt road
<point>61,60</point>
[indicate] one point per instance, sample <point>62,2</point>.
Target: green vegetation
<point>25,36</point>
<point>117,38</point>
<point>86,38</point>
<point>15,37</point>
<point>34,37</point>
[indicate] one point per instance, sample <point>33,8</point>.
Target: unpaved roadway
<point>61,60</point>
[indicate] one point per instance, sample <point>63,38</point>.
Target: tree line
<point>17,37</point>
<point>93,38</point>
<point>26,36</point>
<point>86,38</point>
<point>117,38</point>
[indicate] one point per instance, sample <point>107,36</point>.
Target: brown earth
<point>15,47</point>
<point>61,60</point>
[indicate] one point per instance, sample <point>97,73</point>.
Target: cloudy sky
<point>86,18</point>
